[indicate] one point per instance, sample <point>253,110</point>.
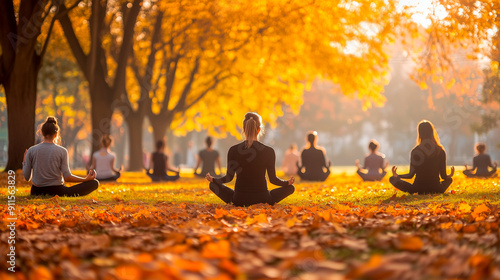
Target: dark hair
<point>160,144</point>
<point>480,147</point>
<point>312,137</point>
<point>208,141</point>
<point>106,141</point>
<point>50,128</point>
<point>251,125</point>
<point>373,145</point>
<point>426,131</point>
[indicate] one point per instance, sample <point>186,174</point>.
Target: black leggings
<point>76,190</point>
<point>469,173</point>
<point>165,178</point>
<point>369,177</point>
<point>228,195</point>
<point>316,176</point>
<point>420,188</point>
<point>112,178</point>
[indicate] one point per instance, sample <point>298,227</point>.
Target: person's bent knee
<point>290,188</point>
<point>393,180</point>
<point>94,184</point>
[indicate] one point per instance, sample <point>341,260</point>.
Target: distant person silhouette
<point>291,160</point>
<point>480,164</point>
<point>104,161</point>
<point>427,164</point>
<point>374,162</point>
<point>314,162</point>
<point>190,155</point>
<point>207,158</point>
<point>46,166</point>
<point>250,160</point>
<point>159,164</point>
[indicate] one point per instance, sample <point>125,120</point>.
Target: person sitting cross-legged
<point>46,166</point>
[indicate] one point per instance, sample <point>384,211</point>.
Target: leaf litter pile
<point>340,229</point>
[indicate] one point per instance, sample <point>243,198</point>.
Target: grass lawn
<point>338,229</point>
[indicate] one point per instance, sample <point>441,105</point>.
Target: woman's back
<point>49,163</point>
<point>429,162</point>
<point>208,157</point>
<point>250,165</point>
<point>103,161</point>
<point>374,162</point>
<point>159,166</point>
<point>482,162</point>
<point>313,159</point>
<point>290,162</point>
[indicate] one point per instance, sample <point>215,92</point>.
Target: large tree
<point>248,55</point>
<point>23,45</point>
<point>468,26</point>
<point>89,44</point>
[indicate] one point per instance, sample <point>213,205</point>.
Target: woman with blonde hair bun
<point>250,160</point>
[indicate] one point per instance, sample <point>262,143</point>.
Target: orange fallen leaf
<point>409,243</point>
<point>217,250</point>
<point>41,273</point>
<point>469,229</point>
<point>128,272</point>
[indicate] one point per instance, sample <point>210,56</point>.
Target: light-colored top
<point>191,157</point>
<point>103,160</point>
<point>49,163</point>
<point>290,162</point>
<point>374,162</point>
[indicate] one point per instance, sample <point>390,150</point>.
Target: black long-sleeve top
<point>250,165</point>
<point>313,160</point>
<point>482,162</point>
<point>427,163</point>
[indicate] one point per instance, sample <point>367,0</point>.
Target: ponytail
<point>251,126</point>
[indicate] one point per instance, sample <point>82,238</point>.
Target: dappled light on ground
<point>341,228</point>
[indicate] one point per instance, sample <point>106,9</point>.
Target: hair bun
<point>51,120</point>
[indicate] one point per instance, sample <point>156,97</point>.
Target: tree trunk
<point>134,123</point>
<point>160,128</point>
<point>101,113</point>
<point>20,93</point>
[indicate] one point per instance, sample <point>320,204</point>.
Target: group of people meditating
<point>46,166</point>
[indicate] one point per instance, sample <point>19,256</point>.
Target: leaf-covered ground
<point>340,229</point>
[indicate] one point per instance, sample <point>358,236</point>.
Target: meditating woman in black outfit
<point>427,163</point>
<point>250,160</point>
<point>207,158</point>
<point>480,164</point>
<point>375,164</point>
<point>159,164</point>
<point>313,161</point>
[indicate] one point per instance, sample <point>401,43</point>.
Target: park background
<point>351,70</point>
<point>194,70</point>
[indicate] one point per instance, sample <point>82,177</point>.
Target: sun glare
<point>424,10</point>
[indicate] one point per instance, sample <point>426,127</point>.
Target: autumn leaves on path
<point>195,241</point>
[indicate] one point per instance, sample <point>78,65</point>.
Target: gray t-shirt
<point>49,163</point>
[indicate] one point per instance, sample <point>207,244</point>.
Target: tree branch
<point>130,18</point>
<point>216,82</point>
<point>187,88</point>
<point>169,82</point>
<point>74,44</point>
